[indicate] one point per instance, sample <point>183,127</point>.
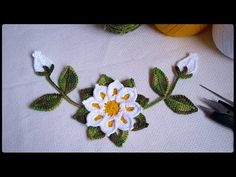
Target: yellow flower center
<point>112,108</point>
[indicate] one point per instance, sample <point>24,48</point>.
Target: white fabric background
<point>93,51</point>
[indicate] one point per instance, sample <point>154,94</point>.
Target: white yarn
<point>223,37</point>
<point>40,60</point>
<point>190,62</point>
<point>123,119</point>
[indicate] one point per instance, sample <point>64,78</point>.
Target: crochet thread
<point>113,108</point>
<point>121,28</point>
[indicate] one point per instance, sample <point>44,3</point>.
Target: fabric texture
<point>92,51</point>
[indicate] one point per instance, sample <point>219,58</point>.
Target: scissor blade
<point>227,100</point>
<point>206,110</point>
<point>231,108</point>
<point>215,105</point>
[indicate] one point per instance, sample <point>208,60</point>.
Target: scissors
<point>219,111</point>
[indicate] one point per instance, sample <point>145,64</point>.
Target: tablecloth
<point>92,51</point>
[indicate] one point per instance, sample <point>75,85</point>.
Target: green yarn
<point>86,93</point>
<point>95,133</point>
<point>140,123</point>
<point>47,102</point>
<point>128,83</point>
<point>119,138</point>
<point>81,115</point>
<point>180,104</point>
<point>104,80</point>
<point>183,74</point>
<point>159,81</point>
<point>142,100</point>
<point>68,79</point>
<point>121,28</point>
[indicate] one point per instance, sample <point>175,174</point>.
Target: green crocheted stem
<point>121,28</point>
<point>169,91</point>
<point>172,86</point>
<point>153,102</point>
<point>61,92</point>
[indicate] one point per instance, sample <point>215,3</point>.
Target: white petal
<point>127,94</point>
<point>94,118</point>
<point>38,67</point>
<point>192,65</point>
<point>93,105</point>
<point>40,60</point>
<point>182,63</point>
<point>125,122</point>
<point>190,62</point>
<point>113,89</point>
<point>100,93</point>
<point>109,125</point>
<point>133,109</point>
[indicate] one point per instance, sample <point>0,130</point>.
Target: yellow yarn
<point>180,29</point>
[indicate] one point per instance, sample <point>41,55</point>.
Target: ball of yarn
<point>180,29</point>
<point>121,28</point>
<point>223,38</point>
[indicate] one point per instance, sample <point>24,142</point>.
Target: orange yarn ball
<point>180,29</point>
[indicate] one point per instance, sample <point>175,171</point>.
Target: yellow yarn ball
<point>180,29</point>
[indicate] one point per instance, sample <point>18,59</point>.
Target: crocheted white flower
<point>190,62</point>
<point>40,61</point>
<point>112,107</point>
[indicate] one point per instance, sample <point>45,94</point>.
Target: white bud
<point>190,62</point>
<point>40,60</point>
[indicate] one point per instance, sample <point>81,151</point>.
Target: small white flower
<point>40,60</point>
<point>190,62</point>
<point>112,107</point>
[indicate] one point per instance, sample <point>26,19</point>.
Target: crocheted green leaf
<point>95,133</point>
<point>120,138</point>
<point>81,115</point>
<point>140,123</point>
<point>104,80</point>
<point>142,100</point>
<point>46,102</point>
<point>121,28</point>
<point>180,104</point>
<point>86,93</point>
<point>68,79</point>
<point>128,83</point>
<point>159,82</point>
